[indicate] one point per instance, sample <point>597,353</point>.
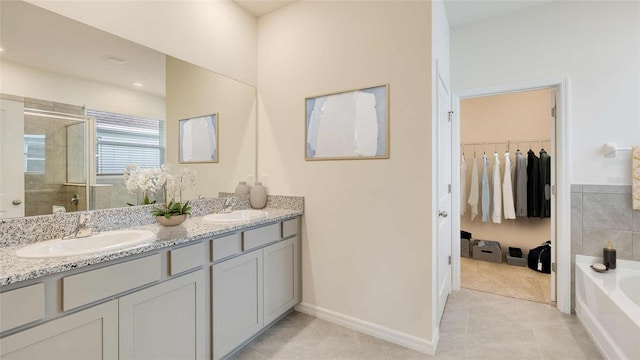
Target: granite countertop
<point>14,269</point>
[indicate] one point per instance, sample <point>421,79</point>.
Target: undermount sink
<point>110,240</point>
<point>237,216</point>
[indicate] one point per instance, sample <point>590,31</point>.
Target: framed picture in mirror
<point>348,125</point>
<point>199,139</point>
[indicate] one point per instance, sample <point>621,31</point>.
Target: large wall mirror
<point>79,104</point>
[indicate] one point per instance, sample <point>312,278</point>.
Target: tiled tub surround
<point>19,232</point>
<point>600,213</point>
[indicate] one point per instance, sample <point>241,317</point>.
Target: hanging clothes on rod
<point>521,185</point>
<point>525,189</point>
<point>474,191</point>
<point>545,184</point>
<point>533,184</point>
<point>497,191</point>
<point>507,189</point>
<point>485,189</point>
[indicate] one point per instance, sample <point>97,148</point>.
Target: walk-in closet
<point>506,185</point>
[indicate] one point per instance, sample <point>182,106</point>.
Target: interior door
<point>11,158</point>
<point>443,186</point>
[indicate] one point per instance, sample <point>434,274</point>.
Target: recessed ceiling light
<point>138,84</point>
<point>113,59</point>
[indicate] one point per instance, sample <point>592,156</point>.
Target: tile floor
<point>475,325</point>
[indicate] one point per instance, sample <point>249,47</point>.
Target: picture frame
<point>348,125</point>
<point>198,139</point>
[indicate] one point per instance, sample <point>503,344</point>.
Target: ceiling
<point>41,39</point>
<point>462,12</point>
<point>262,7</point>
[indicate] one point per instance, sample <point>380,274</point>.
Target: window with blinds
<point>34,153</point>
<point>124,139</point>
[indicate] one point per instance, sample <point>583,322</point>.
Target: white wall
<point>596,44</point>
<point>217,35</point>
<point>21,80</point>
<point>367,231</point>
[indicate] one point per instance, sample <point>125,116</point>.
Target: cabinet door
<point>165,321</point>
<point>237,301</point>
<point>87,334</point>
<point>281,284</point>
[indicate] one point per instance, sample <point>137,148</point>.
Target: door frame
<point>562,171</point>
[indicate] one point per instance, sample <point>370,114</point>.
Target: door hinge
<point>449,259</point>
<point>449,188</point>
<point>553,267</point>
<point>554,190</point>
<point>553,111</point>
<point>450,115</point>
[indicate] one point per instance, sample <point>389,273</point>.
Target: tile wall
<point>600,213</point>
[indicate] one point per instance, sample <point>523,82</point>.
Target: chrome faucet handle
<point>228,205</point>
<point>82,229</point>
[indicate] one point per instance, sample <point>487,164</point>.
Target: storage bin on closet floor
<point>487,250</point>
<point>465,247</point>
<point>516,261</point>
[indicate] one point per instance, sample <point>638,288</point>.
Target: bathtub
<point>608,305</point>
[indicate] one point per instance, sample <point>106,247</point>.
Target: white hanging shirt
<point>474,192</point>
<point>507,190</point>
<point>463,186</point>
<point>497,191</point>
<point>486,195</point>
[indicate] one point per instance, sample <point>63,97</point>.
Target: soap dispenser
<point>609,257</point>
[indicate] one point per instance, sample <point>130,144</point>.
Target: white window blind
<point>34,153</point>
<point>124,139</point>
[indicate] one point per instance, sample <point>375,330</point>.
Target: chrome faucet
<point>82,229</point>
<point>227,207</point>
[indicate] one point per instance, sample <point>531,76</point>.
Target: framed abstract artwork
<point>199,139</point>
<point>348,125</point>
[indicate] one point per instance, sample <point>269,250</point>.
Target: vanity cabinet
<point>87,334</point>
<point>165,321</point>
<point>196,301</point>
<point>281,283</point>
<point>237,301</point>
<point>252,290</point>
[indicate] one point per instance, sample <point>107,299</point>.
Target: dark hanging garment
<point>533,185</point>
<point>545,184</point>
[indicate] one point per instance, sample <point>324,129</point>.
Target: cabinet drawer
<point>185,258</point>
<point>289,227</point>
<point>97,284</point>
<point>21,306</point>
<point>226,246</point>
<point>260,236</point>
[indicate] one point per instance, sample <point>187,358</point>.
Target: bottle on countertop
<point>609,257</point>
<point>258,196</point>
<point>243,188</point>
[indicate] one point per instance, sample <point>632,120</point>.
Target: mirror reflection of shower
<point>55,161</point>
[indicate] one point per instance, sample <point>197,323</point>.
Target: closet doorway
<point>509,139</point>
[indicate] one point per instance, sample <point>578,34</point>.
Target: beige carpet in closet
<point>507,280</point>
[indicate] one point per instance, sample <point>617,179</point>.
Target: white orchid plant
<point>149,181</point>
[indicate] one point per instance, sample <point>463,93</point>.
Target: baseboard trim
<point>394,336</point>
